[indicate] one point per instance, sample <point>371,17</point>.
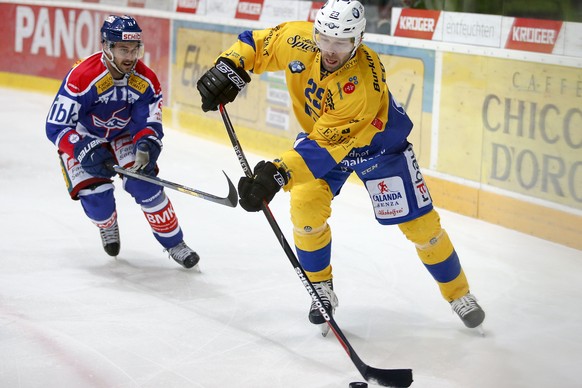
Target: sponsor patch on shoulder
<point>137,83</point>
<point>104,84</point>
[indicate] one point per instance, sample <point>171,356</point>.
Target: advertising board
<point>524,120</point>
<point>49,40</point>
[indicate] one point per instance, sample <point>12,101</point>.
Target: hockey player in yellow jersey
<point>351,123</point>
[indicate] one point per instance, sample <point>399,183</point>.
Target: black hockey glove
<point>221,84</point>
<point>147,150</point>
<point>267,181</point>
<point>94,157</point>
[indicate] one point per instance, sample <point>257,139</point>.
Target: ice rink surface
<point>70,316</point>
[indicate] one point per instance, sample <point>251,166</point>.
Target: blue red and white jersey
<point>90,102</point>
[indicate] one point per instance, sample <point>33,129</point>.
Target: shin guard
<point>310,209</point>
<point>437,253</point>
<point>164,222</point>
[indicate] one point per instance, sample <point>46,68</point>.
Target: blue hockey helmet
<point>117,29</point>
<point>120,29</point>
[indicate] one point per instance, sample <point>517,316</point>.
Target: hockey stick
<point>383,377</point>
<point>231,200</point>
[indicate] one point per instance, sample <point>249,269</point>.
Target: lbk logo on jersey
<point>63,111</point>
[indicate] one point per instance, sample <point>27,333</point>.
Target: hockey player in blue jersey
<point>351,124</point>
<point>108,111</point>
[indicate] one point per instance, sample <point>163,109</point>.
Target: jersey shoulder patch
<point>147,75</point>
<point>104,84</point>
<point>137,83</point>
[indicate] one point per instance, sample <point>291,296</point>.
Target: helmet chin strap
<point>357,43</point>
<point>111,59</point>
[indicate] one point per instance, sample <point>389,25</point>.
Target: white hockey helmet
<point>341,19</point>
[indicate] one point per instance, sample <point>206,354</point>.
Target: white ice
<point>70,316</point>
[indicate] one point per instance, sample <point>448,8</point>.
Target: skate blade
<point>324,327</point>
<point>480,330</point>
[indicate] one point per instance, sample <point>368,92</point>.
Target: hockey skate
<point>469,311</point>
<point>330,302</point>
<point>110,239</point>
<point>183,255</point>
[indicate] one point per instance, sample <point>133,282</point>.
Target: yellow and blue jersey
<point>346,114</point>
<point>351,123</point>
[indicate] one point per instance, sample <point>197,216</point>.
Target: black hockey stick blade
<point>385,377</point>
<point>396,378</point>
<point>388,377</point>
<point>231,200</point>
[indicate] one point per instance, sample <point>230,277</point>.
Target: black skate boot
<point>330,302</point>
<point>110,239</point>
<point>183,255</point>
<point>468,310</point>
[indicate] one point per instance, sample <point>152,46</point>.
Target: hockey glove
<point>147,150</point>
<point>94,157</point>
<point>267,181</point>
<point>221,84</point>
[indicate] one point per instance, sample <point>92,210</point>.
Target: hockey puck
<point>358,384</point>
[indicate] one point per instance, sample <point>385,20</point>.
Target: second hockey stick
<point>230,200</point>
<point>383,377</point>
